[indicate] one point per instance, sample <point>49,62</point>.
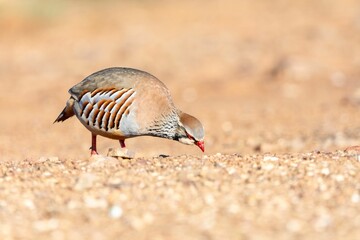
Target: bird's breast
<point>110,112</point>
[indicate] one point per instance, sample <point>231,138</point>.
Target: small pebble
<point>355,198</point>
<point>121,153</point>
<point>325,171</point>
<point>294,226</point>
<point>115,212</point>
<point>46,174</point>
<point>73,204</point>
<point>148,218</point>
<point>92,202</point>
<point>28,203</point>
<point>209,199</point>
<point>268,166</point>
<point>323,221</point>
<point>99,161</point>
<point>339,178</point>
<point>3,204</point>
<point>85,181</point>
<point>46,225</point>
<point>234,208</point>
<point>53,159</point>
<point>231,170</point>
<point>270,158</point>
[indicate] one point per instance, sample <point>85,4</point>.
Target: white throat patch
<point>186,141</point>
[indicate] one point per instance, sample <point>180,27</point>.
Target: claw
<point>93,152</point>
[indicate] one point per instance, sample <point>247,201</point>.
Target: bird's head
<point>191,131</point>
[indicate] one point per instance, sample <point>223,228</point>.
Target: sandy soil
<point>275,84</point>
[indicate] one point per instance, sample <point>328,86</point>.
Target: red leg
<point>93,144</point>
<point>122,143</point>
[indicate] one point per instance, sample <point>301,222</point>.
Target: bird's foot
<point>93,151</point>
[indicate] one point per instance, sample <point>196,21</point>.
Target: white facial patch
<point>187,141</point>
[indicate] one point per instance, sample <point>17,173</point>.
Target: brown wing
<point>111,78</point>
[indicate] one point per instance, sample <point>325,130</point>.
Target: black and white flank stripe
<point>104,108</point>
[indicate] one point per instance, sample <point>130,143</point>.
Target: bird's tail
<point>67,112</point>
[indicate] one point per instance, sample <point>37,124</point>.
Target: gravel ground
<point>276,85</point>
<point>313,195</point>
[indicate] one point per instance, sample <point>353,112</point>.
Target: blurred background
<point>262,76</point>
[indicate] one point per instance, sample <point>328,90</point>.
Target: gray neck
<point>165,127</point>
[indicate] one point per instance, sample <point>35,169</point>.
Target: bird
<point>121,103</point>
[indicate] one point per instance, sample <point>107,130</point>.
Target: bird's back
<point>121,102</point>
<point>116,77</point>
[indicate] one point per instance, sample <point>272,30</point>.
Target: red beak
<point>200,144</point>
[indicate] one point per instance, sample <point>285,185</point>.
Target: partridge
<point>121,103</point>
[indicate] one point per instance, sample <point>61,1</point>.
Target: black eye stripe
<point>190,137</point>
